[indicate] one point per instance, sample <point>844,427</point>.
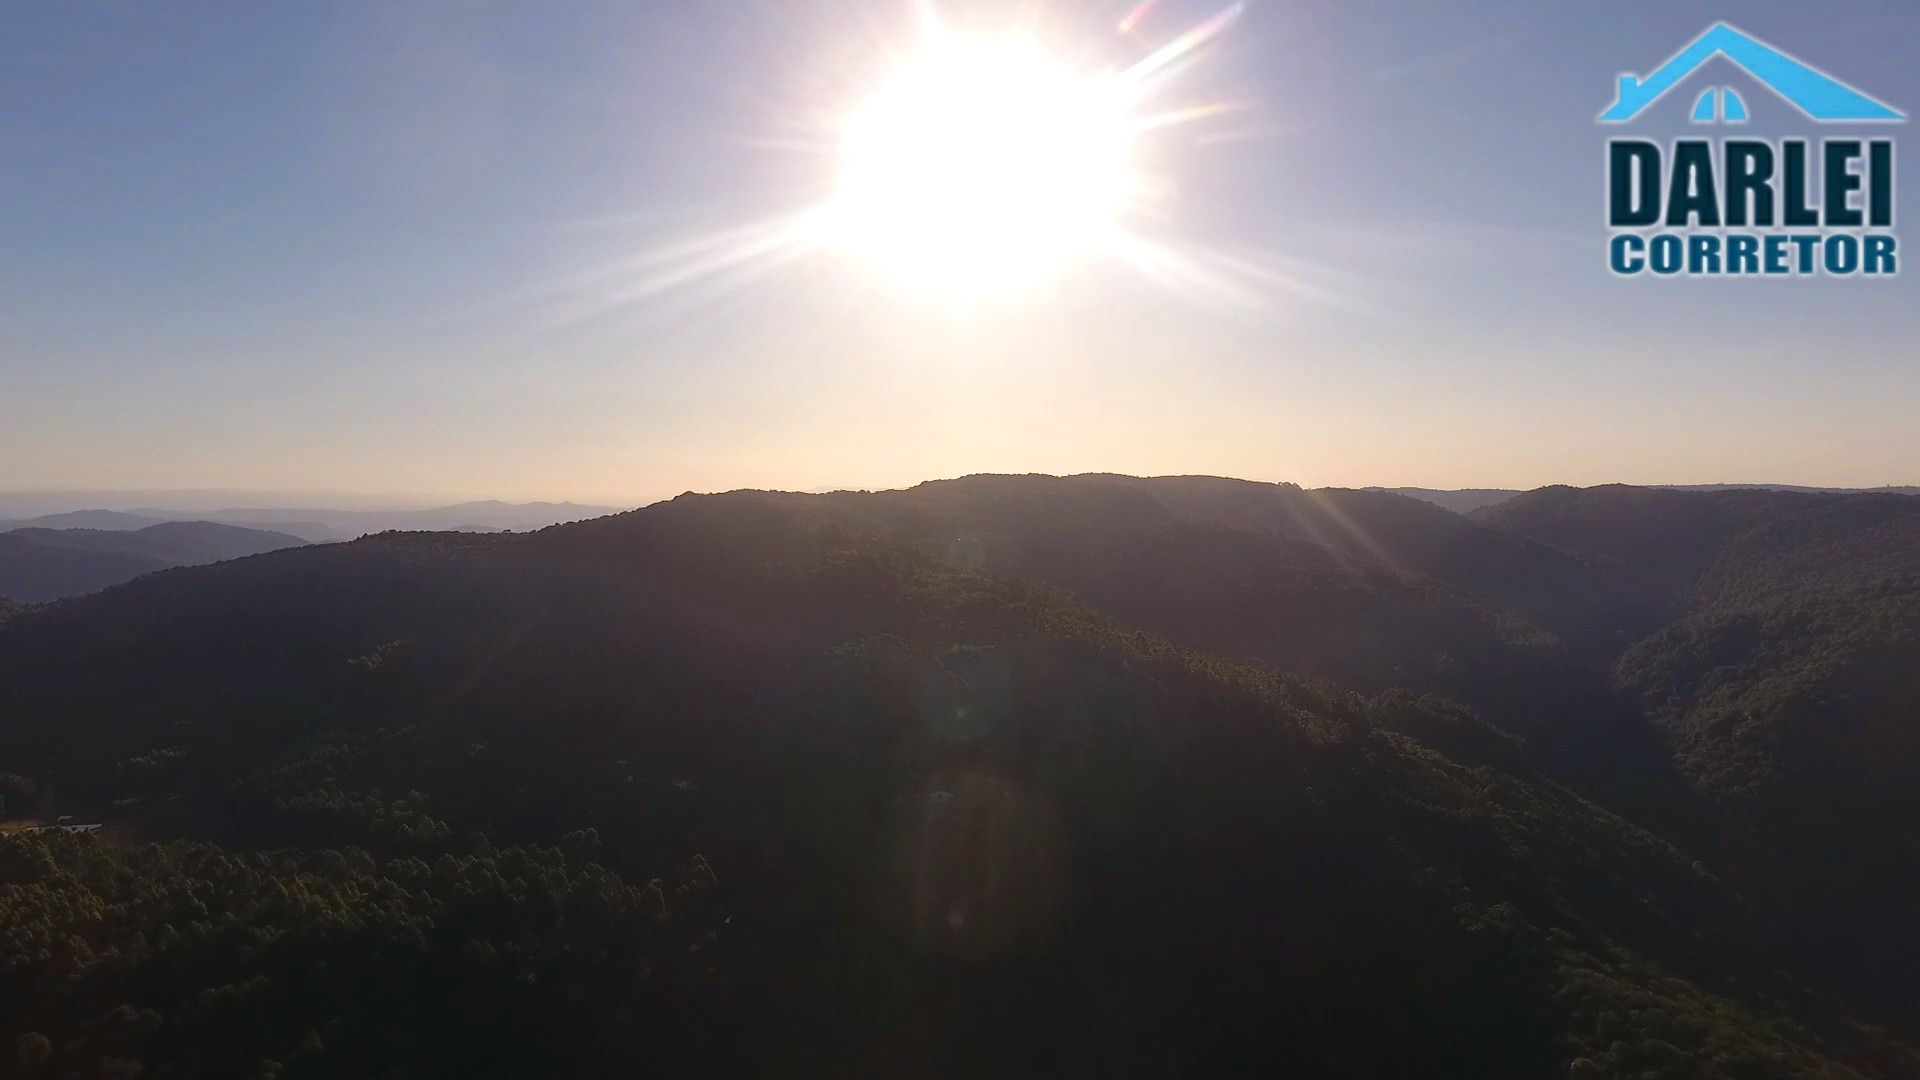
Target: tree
<point>18,795</point>
<point>34,1049</point>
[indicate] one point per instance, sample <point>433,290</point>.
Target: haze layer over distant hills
<point>322,524</point>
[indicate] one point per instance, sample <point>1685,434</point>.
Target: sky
<point>460,250</point>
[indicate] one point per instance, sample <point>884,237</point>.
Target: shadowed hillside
<point>1007,775</point>
<point>46,564</point>
<point>1786,682</point>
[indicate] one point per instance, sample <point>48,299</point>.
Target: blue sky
<point>354,247</point>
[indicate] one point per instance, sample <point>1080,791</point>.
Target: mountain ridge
<point>324,525</point>
<point>48,564</point>
<point>1076,745</point>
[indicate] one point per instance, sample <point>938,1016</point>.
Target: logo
<point>1750,207</point>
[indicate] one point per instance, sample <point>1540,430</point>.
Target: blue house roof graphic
<point>1819,95</point>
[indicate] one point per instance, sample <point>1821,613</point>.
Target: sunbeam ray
<point>1186,44</point>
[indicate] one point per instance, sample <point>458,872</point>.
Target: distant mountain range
<point>38,564</point>
<point>323,525</point>
<point>1467,500</point>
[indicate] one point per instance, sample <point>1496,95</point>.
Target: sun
<point>976,163</point>
<point>980,168</point>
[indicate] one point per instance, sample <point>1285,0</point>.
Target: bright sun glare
<point>980,167</point>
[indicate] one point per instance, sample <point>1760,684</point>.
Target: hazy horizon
<point>39,502</point>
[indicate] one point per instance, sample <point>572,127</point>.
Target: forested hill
<point>1004,775</point>
<point>1785,679</point>
<point>1718,546</point>
<point>46,564</point>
